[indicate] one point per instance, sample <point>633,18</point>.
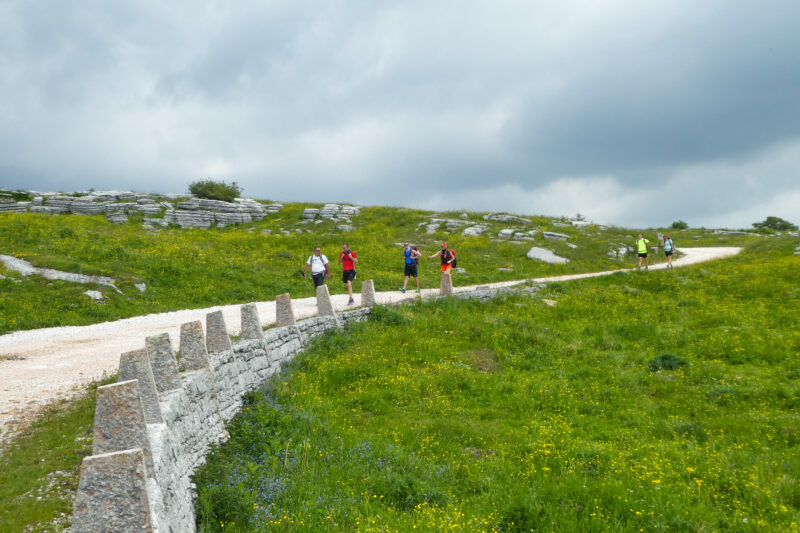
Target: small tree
<point>775,223</point>
<point>679,224</point>
<point>215,190</point>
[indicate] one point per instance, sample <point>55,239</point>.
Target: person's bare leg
<point>417,280</point>
<point>405,282</point>
<point>350,289</point>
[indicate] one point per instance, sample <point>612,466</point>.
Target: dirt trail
<point>42,365</point>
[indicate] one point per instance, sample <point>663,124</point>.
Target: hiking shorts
<point>319,279</point>
<point>446,267</point>
<point>411,270</point>
<point>643,255</point>
<point>668,252</point>
<point>348,275</point>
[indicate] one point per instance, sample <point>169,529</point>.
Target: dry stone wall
<point>154,427</point>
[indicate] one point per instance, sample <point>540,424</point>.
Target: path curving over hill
<point>42,365</point>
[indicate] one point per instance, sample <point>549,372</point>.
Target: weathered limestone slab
<point>251,324</point>
<point>446,288</point>
<point>217,339</point>
<point>324,305</point>
<point>283,311</point>
<point>162,359</point>
<point>136,365</point>
<point>368,293</point>
<point>112,494</point>
<point>119,421</point>
<point>194,355</point>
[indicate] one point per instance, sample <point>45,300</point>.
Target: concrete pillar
<point>251,324</point>
<point>447,284</point>
<point>112,494</point>
<point>324,305</point>
<point>217,339</point>
<point>119,422</point>
<point>368,293</point>
<point>136,365</point>
<point>162,359</point>
<point>194,355</point>
<point>283,311</point>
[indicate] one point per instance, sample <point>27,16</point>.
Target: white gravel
<point>42,365</point>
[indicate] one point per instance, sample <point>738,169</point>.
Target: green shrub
<point>679,224</point>
<point>215,190</point>
<point>387,316</point>
<point>666,361</point>
<point>775,223</point>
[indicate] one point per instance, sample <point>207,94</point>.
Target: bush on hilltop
<point>775,223</point>
<point>215,190</point>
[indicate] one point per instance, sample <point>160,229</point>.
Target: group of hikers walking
<point>321,270</point>
<point>641,249</point>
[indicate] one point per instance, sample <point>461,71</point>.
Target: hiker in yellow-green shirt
<point>641,247</point>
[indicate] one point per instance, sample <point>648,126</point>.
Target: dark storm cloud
<point>597,107</point>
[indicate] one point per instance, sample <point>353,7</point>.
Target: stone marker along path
<point>42,365</point>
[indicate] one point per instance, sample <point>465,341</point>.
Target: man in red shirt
<point>349,260</point>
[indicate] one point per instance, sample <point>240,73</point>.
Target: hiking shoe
<point>403,290</point>
<point>351,302</point>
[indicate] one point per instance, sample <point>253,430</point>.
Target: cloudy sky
<point>629,112</point>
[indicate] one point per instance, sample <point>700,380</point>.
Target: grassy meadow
<point>658,401</point>
<point>191,268</point>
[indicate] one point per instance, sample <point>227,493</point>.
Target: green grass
<point>185,268</point>
<point>513,415</point>
<point>39,471</point>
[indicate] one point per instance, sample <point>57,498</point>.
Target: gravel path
<point>42,365</point>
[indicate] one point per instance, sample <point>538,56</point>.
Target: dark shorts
<point>348,275</point>
<point>668,253</point>
<point>319,279</point>
<point>643,255</point>
<point>411,270</point>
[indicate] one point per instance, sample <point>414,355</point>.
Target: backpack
<point>416,259</point>
<point>453,255</point>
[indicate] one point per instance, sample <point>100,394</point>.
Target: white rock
<point>552,236</point>
<point>543,254</point>
<point>573,246</point>
<point>141,287</point>
<point>506,233</point>
<point>97,296</point>
<point>474,231</point>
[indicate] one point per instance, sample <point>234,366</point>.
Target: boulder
<point>475,231</point>
<point>505,217</point>
<point>506,233</point>
<point>543,254</point>
<point>552,236</point>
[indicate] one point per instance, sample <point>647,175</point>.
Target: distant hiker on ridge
<point>412,255</point>
<point>669,249</point>
<point>349,260</point>
<point>319,267</point>
<point>641,247</point>
<point>448,257</point>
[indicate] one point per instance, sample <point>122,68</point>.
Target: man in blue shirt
<point>412,256</point>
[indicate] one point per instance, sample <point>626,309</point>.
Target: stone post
<point>447,284</point>
<point>251,324</point>
<point>162,359</point>
<point>284,315</point>
<point>368,293</point>
<point>217,339</point>
<point>136,365</point>
<point>112,494</point>
<point>194,355</point>
<point>119,422</point>
<point>324,305</point>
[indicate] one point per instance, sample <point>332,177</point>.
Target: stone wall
<point>153,428</point>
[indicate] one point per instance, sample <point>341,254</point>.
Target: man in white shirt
<point>319,267</point>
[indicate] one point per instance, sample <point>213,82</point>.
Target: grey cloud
<point>378,102</point>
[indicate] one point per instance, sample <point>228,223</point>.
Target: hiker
<point>412,255</point>
<point>319,267</point>
<point>349,260</point>
<point>448,257</point>
<point>641,247</point>
<point>669,249</point>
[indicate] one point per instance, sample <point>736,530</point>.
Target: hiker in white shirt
<point>319,267</point>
